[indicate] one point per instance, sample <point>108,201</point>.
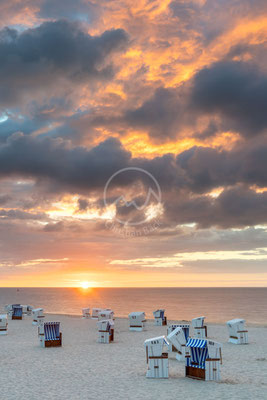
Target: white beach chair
<point>8,309</point>
<point>238,333</point>
<point>105,331</point>
<point>95,312</point>
<point>159,317</point>
<point>105,314</point>
<point>24,309</point>
<point>177,339</point>
<point>203,359</point>
<point>3,324</point>
<point>86,313</point>
<point>156,358</point>
<point>38,316</point>
<point>137,321</point>
<point>200,330</point>
<point>171,328</point>
<point>49,334</point>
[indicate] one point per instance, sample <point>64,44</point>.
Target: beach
<point>85,369</point>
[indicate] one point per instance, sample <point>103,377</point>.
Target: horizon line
<point>133,287</point>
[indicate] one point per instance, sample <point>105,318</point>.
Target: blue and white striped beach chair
<point>49,334</point>
<point>203,358</point>
<point>16,312</point>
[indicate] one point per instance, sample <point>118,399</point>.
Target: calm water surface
<point>218,305</point>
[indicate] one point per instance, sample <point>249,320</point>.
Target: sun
<point>85,285</point>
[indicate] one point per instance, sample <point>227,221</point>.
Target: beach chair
<point>171,328</point>
<point>157,358</point>
<point>26,309</point>
<point>3,324</point>
<point>38,316</point>
<point>200,330</point>
<point>8,309</point>
<point>159,317</point>
<point>237,331</point>
<point>95,312</point>
<point>49,334</point>
<point>86,313</point>
<point>106,314</point>
<point>203,359</point>
<point>105,331</point>
<point>16,312</point>
<point>137,321</point>
<point>177,339</point>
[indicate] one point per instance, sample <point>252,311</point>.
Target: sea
<point>218,305</point>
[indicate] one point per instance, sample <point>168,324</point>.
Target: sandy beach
<point>84,369</point>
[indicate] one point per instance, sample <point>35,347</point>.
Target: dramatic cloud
<point>80,9</point>
<point>55,51</point>
<point>52,159</point>
<point>235,90</point>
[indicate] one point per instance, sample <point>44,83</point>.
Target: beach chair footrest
<point>195,373</point>
<point>54,343</point>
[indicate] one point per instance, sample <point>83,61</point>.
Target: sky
<point>133,143</point>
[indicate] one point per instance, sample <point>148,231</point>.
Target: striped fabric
<point>51,330</point>
<point>196,343</point>
<point>17,311</point>
<point>199,353</point>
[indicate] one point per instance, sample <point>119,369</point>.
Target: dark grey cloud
<point>161,115</point>
<point>83,204</point>
<point>53,160</point>
<point>79,9</point>
<point>51,54</point>
<point>237,91</point>
<point>19,214</point>
<point>4,199</point>
<point>206,168</point>
<point>198,170</point>
<point>235,207</point>
<point>234,91</point>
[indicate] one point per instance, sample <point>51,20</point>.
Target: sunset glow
<point>85,285</point>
